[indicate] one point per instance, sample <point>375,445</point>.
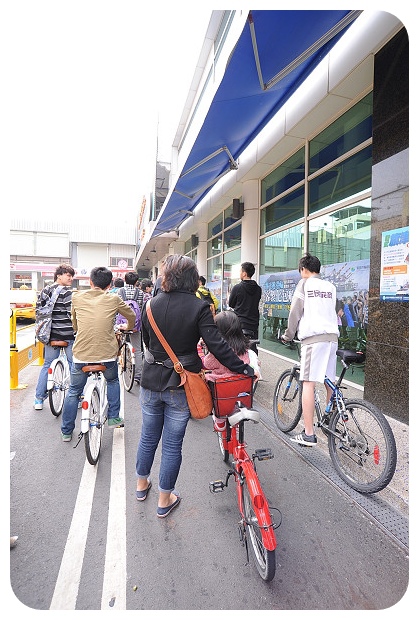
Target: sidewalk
<point>396,494</point>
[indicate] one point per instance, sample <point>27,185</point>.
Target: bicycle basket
<point>228,390</point>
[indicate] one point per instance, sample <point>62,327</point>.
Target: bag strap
<point>56,293</point>
<point>176,364</point>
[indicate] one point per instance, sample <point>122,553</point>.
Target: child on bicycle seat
<point>229,326</point>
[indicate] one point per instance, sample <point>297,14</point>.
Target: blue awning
<point>275,53</point>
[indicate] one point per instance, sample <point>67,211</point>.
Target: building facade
<point>328,174</point>
<point>37,247</point>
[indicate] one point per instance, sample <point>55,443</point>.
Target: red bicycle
<point>233,400</point>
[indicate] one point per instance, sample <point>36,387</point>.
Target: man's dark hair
<point>179,273</point>
<point>309,262</point>
<point>131,277</point>
<point>118,282</point>
<point>62,269</point>
<point>202,280</point>
<point>101,277</point>
<point>145,282</point>
<point>248,268</point>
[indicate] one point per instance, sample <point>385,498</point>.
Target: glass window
<point>215,226</point>
<point>232,237</point>
<point>215,269</point>
<point>347,132</point>
<point>121,262</point>
<point>342,236</point>
<point>282,251</point>
<point>214,246</point>
<point>342,181</point>
<point>284,177</point>
<point>283,211</point>
<point>228,216</point>
<point>231,273</point>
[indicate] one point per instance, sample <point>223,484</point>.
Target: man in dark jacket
<point>244,299</point>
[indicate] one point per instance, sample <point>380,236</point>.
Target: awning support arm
<point>348,19</point>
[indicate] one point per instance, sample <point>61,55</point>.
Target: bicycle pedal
<point>217,486</point>
<point>263,454</point>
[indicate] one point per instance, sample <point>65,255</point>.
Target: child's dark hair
<point>229,326</point>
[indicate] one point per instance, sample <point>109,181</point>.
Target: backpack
<point>43,317</point>
<point>206,296</point>
<point>134,305</point>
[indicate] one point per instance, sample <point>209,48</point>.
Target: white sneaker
<point>38,404</point>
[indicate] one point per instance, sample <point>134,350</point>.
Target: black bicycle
<point>360,440</point>
<point>126,359</point>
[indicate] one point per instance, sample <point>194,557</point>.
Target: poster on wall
<point>350,278</point>
<point>394,274</point>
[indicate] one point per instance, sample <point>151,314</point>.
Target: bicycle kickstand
<point>79,438</point>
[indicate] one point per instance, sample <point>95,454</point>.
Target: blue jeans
<point>165,416</point>
<point>50,354</point>
<point>78,380</point>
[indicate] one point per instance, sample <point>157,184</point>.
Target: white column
<point>250,224</point>
<point>201,254</point>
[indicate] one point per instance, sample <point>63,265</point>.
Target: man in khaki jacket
<point>93,315</point>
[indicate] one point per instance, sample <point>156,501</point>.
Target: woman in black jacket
<point>183,319</point>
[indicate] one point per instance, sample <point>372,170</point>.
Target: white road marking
<point>115,573</point>
<point>68,581</point>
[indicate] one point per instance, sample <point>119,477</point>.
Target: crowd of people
<point>87,321</point>
<point>201,337</point>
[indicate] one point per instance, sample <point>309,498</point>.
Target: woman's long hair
<point>229,326</point>
<point>179,273</point>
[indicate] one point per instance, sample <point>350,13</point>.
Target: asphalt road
<point>85,543</point>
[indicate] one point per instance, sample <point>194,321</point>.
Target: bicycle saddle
<point>244,414</point>
<point>93,368</point>
<point>58,343</point>
<point>351,357</point>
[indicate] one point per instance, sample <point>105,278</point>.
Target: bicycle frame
<point>244,468</point>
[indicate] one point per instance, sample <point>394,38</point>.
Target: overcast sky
<point>86,84</point>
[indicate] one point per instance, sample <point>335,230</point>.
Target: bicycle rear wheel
<point>364,452</point>
<point>287,406</point>
<point>58,391</point>
<point>127,366</point>
<point>264,559</point>
<point>93,437</point>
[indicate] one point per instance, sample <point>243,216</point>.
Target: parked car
<point>23,302</point>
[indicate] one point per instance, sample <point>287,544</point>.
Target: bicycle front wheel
<point>58,391</point>
<point>93,437</point>
<point>287,406</point>
<point>127,366</point>
<point>364,449</point>
<point>264,559</point>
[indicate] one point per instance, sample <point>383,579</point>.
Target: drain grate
<point>394,524</point>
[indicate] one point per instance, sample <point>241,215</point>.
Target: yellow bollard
<point>14,359</point>
<point>33,354</point>
<point>40,350</point>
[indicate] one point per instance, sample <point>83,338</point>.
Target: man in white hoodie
<point>313,317</point>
